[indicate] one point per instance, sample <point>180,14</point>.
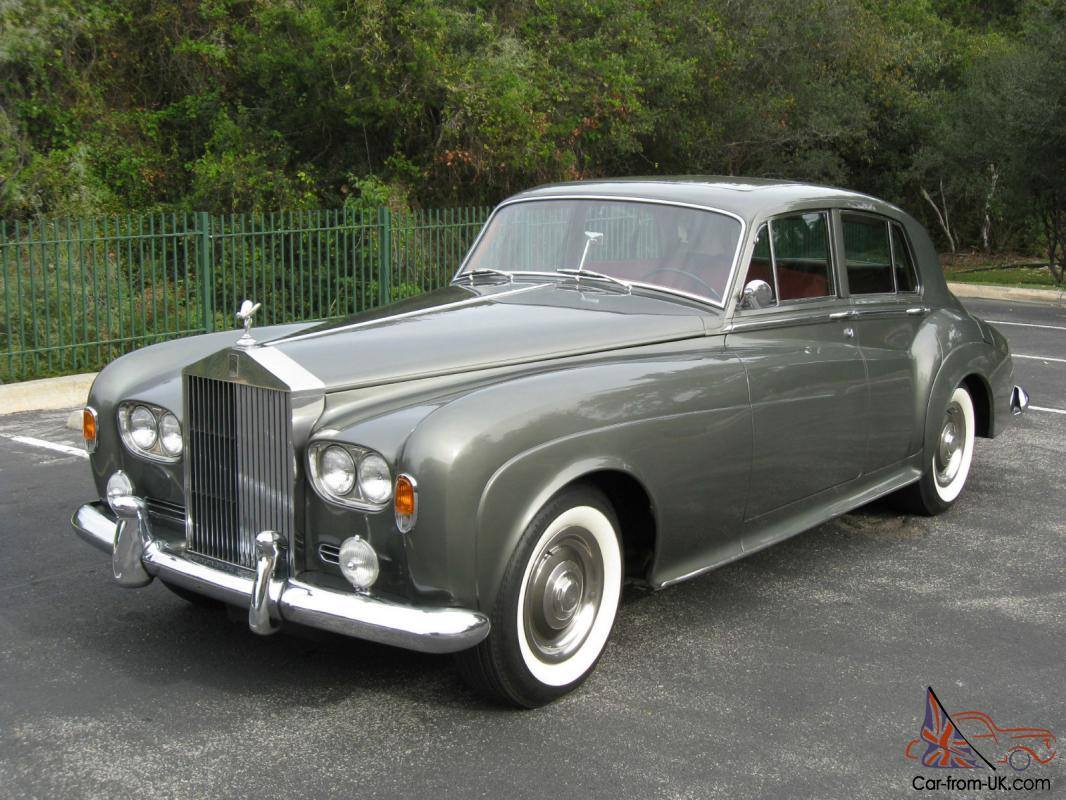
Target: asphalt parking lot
<point>797,672</point>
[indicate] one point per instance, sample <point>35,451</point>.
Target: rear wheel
<point>945,474</point>
<point>556,605</point>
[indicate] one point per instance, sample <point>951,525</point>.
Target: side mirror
<point>757,294</point>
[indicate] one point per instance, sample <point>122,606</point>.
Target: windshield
<point>681,249</point>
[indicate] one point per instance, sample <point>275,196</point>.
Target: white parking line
<point>59,448</point>
<point>1027,324</point>
<point>1041,358</point>
<point>1051,410</point>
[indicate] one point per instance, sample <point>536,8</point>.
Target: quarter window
<point>867,254</point>
<point>906,275</point>
<point>792,255</point>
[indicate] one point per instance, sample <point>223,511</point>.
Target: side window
<point>792,255</point>
<point>906,275</point>
<point>867,254</point>
<point>801,256</point>
<point>761,267</point>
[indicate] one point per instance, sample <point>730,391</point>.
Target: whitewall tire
<point>556,605</point>
<point>948,459</point>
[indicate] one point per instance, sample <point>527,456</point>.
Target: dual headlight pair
<point>357,477</point>
<point>350,475</point>
<point>150,431</point>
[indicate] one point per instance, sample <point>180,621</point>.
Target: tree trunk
<point>1054,225</point>
<point>942,217</point>
<point>986,226</point>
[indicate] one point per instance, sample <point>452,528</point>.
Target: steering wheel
<point>715,294</point>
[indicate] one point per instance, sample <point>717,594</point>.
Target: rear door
<point>806,377</point>
<point>887,313</point>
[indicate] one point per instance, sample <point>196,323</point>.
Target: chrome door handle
<point>918,310</point>
<point>842,315</point>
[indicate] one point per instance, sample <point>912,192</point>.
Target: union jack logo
<point>945,745</point>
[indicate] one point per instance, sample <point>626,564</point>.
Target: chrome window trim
<point>726,292</point>
<point>789,317</point>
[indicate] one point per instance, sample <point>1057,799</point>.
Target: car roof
<point>749,198</point>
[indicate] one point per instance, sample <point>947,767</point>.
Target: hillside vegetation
<point>955,109</point>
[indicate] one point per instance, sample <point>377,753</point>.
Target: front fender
<point>673,416</point>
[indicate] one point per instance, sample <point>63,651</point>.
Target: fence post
<point>206,253</point>
<point>384,257</point>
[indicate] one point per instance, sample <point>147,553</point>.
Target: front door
<point>806,377</point>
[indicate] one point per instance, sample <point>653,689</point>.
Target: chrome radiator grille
<point>239,463</point>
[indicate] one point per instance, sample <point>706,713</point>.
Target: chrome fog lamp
<point>358,562</point>
<point>119,485</point>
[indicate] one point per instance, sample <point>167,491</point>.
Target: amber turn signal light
<point>88,428</point>
<point>405,502</point>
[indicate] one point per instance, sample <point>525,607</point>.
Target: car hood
<point>464,328</point>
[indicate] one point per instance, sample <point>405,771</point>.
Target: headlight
<point>375,481</point>
<point>150,431</point>
<point>170,435</point>
<point>338,470</point>
<point>144,429</point>
<point>350,475</point>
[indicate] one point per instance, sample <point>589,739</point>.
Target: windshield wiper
<point>485,272</point>
<point>581,274</point>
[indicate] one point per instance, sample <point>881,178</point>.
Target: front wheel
<point>556,605</point>
<point>945,473</point>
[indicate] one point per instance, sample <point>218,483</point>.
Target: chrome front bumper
<point>137,558</point>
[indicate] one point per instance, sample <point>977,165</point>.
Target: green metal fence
<point>78,293</point>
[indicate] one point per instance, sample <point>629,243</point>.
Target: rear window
<point>906,275</point>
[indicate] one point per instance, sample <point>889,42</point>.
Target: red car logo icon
<point>1019,748</point>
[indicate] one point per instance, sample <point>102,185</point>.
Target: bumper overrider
<point>137,557</point>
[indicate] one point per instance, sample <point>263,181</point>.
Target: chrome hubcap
<point>949,452</point>
<point>563,594</point>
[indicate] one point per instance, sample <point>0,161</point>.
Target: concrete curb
<point>47,394</point>
<point>988,292</point>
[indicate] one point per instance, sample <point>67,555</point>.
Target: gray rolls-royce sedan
<point>627,380</point>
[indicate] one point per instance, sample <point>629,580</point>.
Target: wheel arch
<point>975,367</point>
<point>981,392</point>
<point>518,490</point>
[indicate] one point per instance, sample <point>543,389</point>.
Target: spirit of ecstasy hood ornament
<point>245,314</point>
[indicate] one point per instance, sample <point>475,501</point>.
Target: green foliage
<point>952,108</point>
